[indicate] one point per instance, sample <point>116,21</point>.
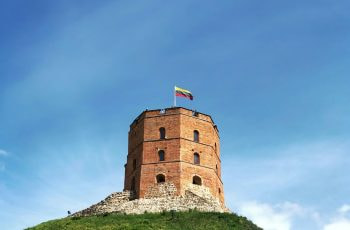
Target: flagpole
<point>174,97</point>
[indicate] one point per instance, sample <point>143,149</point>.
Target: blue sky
<point>273,74</point>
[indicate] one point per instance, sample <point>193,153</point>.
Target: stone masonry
<point>195,197</point>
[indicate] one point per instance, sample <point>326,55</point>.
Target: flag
<point>183,93</point>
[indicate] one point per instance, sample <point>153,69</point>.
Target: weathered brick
<point>179,146</point>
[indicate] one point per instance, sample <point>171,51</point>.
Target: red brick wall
<point>179,147</point>
<point>171,171</point>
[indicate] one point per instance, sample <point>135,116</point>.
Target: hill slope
<point>165,220</point>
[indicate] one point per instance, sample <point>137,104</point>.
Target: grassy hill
<point>165,220</point>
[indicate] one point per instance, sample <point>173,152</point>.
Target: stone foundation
<point>161,190</point>
<point>160,198</point>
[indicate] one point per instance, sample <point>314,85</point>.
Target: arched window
<point>162,133</point>
<point>197,180</point>
<point>134,164</point>
<point>160,178</point>
<point>132,184</point>
<point>161,155</point>
<point>216,168</point>
<point>195,136</point>
<point>196,159</point>
<point>219,191</point>
<point>215,148</point>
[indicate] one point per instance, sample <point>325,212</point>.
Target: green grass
<point>166,220</point>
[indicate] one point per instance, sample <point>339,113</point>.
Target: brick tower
<point>174,145</point>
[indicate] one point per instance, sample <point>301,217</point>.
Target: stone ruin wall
<point>161,190</point>
<point>160,198</point>
<point>110,204</point>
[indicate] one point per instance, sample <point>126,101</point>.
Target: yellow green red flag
<point>179,92</point>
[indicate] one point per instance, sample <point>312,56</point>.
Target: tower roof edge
<point>171,108</point>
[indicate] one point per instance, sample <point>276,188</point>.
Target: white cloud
<point>281,216</point>
<point>338,224</point>
<point>344,209</point>
<point>287,215</point>
<point>3,152</point>
<point>272,217</point>
<point>290,173</point>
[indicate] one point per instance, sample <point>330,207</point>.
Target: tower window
<point>195,136</point>
<point>134,164</point>
<point>197,180</point>
<point>162,133</point>
<point>161,155</point>
<point>196,159</point>
<point>160,178</point>
<point>215,148</point>
<point>219,191</point>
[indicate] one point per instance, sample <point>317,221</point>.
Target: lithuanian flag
<point>183,93</point>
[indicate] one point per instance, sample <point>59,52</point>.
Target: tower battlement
<point>174,145</point>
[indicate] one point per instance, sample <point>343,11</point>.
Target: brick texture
<point>143,162</point>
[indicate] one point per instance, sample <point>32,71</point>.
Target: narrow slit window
<point>196,136</point>
<point>161,155</point>
<point>162,133</point>
<point>196,159</point>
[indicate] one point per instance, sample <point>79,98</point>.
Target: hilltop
<point>165,220</point>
